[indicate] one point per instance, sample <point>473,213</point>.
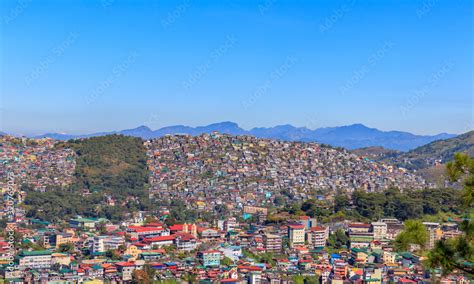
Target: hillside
<point>376,153</point>
<point>440,151</point>
<point>109,180</point>
<point>115,164</point>
<point>218,164</point>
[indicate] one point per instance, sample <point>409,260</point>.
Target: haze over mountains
<point>350,137</point>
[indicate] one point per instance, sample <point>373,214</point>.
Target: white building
<point>105,243</point>
<point>380,230</point>
<point>34,259</point>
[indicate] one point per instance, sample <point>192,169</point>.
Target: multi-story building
<point>296,234</point>
<point>185,242</point>
<point>359,228</point>
<point>272,243</point>
<point>380,230</point>
<point>105,243</point>
<point>211,258</point>
<point>340,269</point>
<point>34,259</point>
<point>317,237</point>
<point>389,257</point>
<point>140,232</point>
<point>126,270</point>
<point>230,224</point>
<point>85,223</point>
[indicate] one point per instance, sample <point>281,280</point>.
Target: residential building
<point>211,258</point>
<point>317,237</point>
<point>296,234</point>
<point>34,259</point>
<point>380,230</point>
<point>272,243</point>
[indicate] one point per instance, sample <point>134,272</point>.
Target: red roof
<point>125,263</point>
<point>184,236</point>
<point>228,280</point>
<point>144,229</point>
<point>404,280</point>
<point>159,239</point>
<point>317,228</point>
<point>296,226</point>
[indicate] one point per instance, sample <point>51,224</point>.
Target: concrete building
<point>317,237</point>
<point>34,259</point>
<point>272,243</point>
<point>211,258</point>
<point>380,230</point>
<point>296,234</point>
<point>105,243</point>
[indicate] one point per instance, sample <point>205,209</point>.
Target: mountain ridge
<point>351,137</point>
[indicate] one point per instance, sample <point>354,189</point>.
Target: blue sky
<point>87,66</point>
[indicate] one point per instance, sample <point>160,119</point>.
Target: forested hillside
<point>110,181</point>
<point>441,150</point>
<point>115,164</point>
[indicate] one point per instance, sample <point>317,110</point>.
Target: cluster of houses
<point>225,251</point>
<point>35,162</point>
<point>246,170</point>
<point>246,176</point>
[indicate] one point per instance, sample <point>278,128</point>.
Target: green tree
<point>341,202</point>
<point>67,247</point>
<point>414,233</point>
<point>227,261</point>
<point>338,239</point>
<point>458,253</point>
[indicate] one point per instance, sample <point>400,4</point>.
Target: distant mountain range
<point>350,137</point>
<point>353,136</point>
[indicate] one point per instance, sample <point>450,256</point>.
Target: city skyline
<point>112,65</point>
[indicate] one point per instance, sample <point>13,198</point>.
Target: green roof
<point>364,250</point>
<point>150,253</point>
<point>35,252</point>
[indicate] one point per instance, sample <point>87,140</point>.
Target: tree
<point>140,277</point>
<point>369,205</point>
<point>150,271</point>
<point>463,168</point>
<point>227,261</point>
<point>458,253</point>
<point>279,201</point>
<point>414,233</point>
<point>67,247</point>
<point>113,254</point>
<point>190,278</point>
<point>338,239</point>
<point>341,202</point>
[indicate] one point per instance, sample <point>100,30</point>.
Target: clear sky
<point>86,66</point>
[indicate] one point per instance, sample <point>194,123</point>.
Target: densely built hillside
<point>227,164</point>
